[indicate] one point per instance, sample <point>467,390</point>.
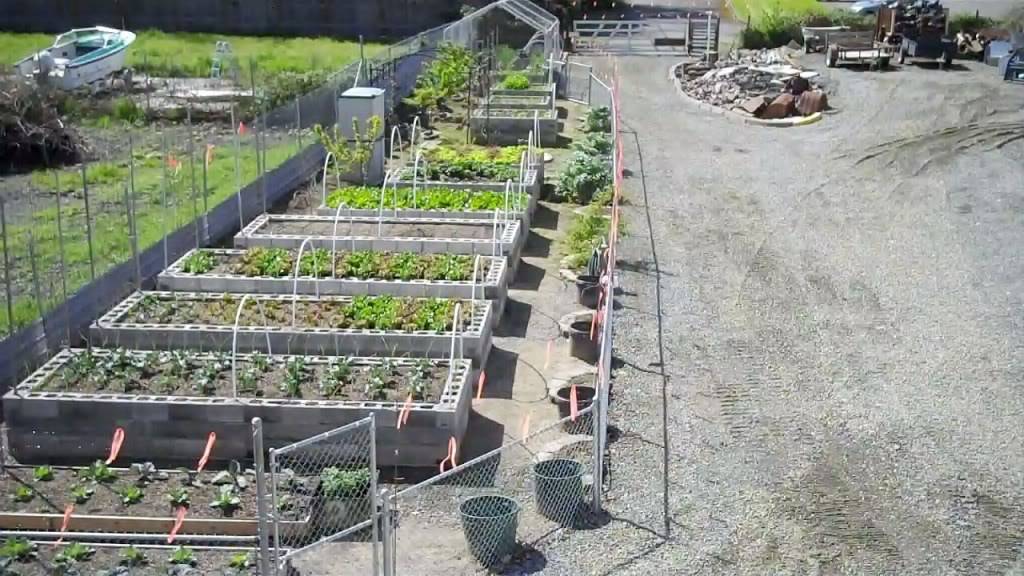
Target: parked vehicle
<point>79,57</point>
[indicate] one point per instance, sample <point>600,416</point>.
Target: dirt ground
<point>829,319</point>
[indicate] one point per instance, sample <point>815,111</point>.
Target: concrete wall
<point>349,18</point>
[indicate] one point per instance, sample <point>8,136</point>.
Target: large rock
<point>811,101</point>
<point>782,107</point>
<point>753,106</point>
<point>797,85</point>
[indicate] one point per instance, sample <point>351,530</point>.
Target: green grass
<point>761,11</point>
<point>109,224</point>
<point>191,54</point>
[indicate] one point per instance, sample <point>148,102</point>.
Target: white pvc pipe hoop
<point>412,133</point>
<point>494,234</point>
<point>477,266</point>
<point>396,134</point>
<point>334,239</point>
<point>451,355</point>
<point>383,194</point>
<point>234,346</point>
<point>416,174</point>
<point>522,173</point>
<point>529,147</point>
<point>295,283</point>
<point>536,126</point>
<point>337,177</point>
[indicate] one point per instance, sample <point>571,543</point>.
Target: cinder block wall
<point>343,18</point>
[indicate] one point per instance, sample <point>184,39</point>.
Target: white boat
<point>80,56</point>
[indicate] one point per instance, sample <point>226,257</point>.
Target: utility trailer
<point>856,46</point>
<point>919,30</point>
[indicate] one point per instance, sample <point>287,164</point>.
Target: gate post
<point>388,537</point>
<point>261,498</point>
<point>373,492</point>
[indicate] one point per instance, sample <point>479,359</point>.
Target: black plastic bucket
<point>558,489</point>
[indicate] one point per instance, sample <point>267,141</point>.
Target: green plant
<point>73,553</point>
<point>316,263</point>
<point>354,151</point>
<point>584,176</point>
<point>81,494</point>
<point>42,473</point>
<point>127,111</point>
<point>516,81</point>
<point>240,561</point>
<point>336,377</point>
<point>198,262</point>
<point>131,495</point>
<point>294,375</point>
<point>378,383</point>
<point>451,267</point>
<point>259,361</point>
<point>340,483</point>
<point>182,556</point>
<point>133,557</point>
<point>233,476</point>
<point>23,494</point>
<point>18,549</point>
<point>205,378</point>
<point>273,262</point>
<point>464,163</point>
<point>179,497</point>
<point>361,265</point>
<point>598,120</point>
<point>434,315</point>
<point>594,144</point>
<point>445,77</point>
<point>227,500</point>
<point>376,312</point>
<point>147,473</point>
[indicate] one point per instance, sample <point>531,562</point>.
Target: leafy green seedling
<point>81,494</point>
<point>227,500</point>
<point>99,472</point>
<point>179,497</point>
<point>132,556</point>
<point>23,494</point>
<point>74,553</point>
<point>43,473</point>
<point>182,556</point>
<point>341,483</point>
<point>131,495</point>
<point>18,549</point>
<point>240,561</point>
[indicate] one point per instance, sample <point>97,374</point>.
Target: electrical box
<point>360,103</point>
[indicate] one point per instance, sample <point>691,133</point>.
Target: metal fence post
<point>88,224</point>
<point>7,268</point>
<point>163,194</point>
<point>373,493</point>
<point>36,291</point>
<point>276,553</point>
<point>130,208</point>
<point>206,193</point>
<point>388,537</point>
<point>192,170</point>
<point>298,123</point>
<point>261,497</point>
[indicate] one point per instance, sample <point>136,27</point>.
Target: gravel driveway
<point>842,313</point>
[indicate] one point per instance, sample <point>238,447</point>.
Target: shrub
<point>598,120</point>
<point>970,23</point>
<point>516,82</point>
<point>126,110</point>
<point>340,483</point>
<point>583,177</point>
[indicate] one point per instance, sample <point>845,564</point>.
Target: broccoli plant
<point>378,384</point>
<point>23,494</point>
<point>341,483</point>
<point>133,557</point>
<point>182,556</point>
<point>337,376</point>
<point>131,494</point>
<point>295,375</point>
<point>227,500</point>
<point>18,549</point>
<point>42,473</point>
<point>240,561</point>
<point>99,473</point>
<point>179,498</point>
<point>74,553</point>
<point>81,494</point>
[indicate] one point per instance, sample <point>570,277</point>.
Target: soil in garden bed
<point>512,113</point>
<point>104,560</point>
<point>107,497</point>
<point>359,313</point>
<point>263,262</point>
<point>182,373</point>
<point>323,228</point>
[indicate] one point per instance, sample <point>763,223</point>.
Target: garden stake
<point>115,445</point>
<point>179,519</point>
<point>210,440</point>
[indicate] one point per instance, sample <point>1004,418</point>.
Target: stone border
<point>110,330</point>
<point>69,426</point>
<point>492,287</point>
<point>510,236</point>
<point>780,123</point>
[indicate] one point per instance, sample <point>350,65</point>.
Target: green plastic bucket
<point>489,524</point>
<point>558,488</point>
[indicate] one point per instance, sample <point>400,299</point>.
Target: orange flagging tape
<point>210,441</point>
<point>547,356</point>
<point>64,524</point>
<point>453,447</point>
<point>209,154</point>
<point>179,519</point>
<point>593,325</point>
<point>241,128</point>
<point>574,411</point>
<point>115,445</point>
<point>480,385</point>
<point>403,415</point>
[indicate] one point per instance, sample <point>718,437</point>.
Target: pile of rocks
<point>762,84</point>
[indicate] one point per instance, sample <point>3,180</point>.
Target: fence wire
<point>323,492</point>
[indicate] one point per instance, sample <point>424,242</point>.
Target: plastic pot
<point>558,489</point>
<point>580,344</point>
<point>584,398</point>
<point>588,290</point>
<point>489,524</point>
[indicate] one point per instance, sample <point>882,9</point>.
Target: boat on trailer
<point>79,57</point>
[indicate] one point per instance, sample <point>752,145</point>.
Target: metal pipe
<point>88,224</point>
<point>261,496</point>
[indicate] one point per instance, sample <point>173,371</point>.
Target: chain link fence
<point>323,490</point>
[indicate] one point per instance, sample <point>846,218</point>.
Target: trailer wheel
<point>831,57</point>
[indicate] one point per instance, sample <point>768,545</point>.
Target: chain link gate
<point>322,501</point>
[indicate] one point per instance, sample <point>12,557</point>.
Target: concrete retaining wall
<point>375,19</point>
<point>501,130</point>
<point>76,428</point>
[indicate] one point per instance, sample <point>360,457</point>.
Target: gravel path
<point>841,311</point>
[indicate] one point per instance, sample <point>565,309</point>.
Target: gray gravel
<point>842,334</point>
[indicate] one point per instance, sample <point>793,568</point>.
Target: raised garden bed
<point>541,89</point>
<point>336,325</point>
<point>45,559</point>
<point>524,102</point>
<point>486,236</point>
<point>270,271</point>
<point>503,126</point>
<point>428,203</point>
<point>140,499</point>
<point>473,167</point>
<point>65,412</point>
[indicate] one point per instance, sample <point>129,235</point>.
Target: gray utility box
<point>360,104</point>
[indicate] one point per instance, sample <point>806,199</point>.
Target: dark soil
<point>52,497</point>
<point>162,373</point>
<point>105,558</point>
<point>388,230</point>
<point>271,312</point>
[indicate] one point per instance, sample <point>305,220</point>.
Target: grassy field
<point>758,11</point>
<point>107,182</point>
<point>189,54</point>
